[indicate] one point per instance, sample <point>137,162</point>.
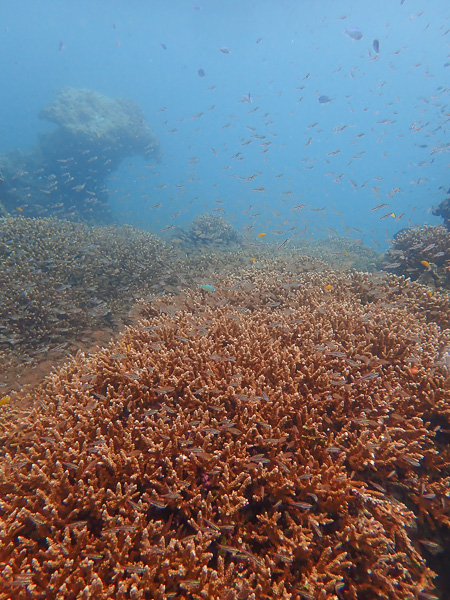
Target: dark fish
<point>354,33</point>
<point>376,45</point>
<point>61,46</point>
<point>259,40</point>
<point>225,50</point>
<point>325,99</point>
<point>163,46</point>
<point>201,73</point>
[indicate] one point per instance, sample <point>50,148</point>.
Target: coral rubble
<point>66,173</point>
<point>281,437</point>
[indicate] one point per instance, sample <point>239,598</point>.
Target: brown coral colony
<point>273,422</point>
<point>253,448</point>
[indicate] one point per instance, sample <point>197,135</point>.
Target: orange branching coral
<point>268,440</point>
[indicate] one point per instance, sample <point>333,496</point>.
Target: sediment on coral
<point>66,173</point>
<point>280,437</point>
<point>422,254</point>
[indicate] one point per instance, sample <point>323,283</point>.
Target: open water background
<point>387,116</point>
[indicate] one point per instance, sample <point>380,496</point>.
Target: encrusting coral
<point>276,438</point>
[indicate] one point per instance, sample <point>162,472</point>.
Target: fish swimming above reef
<point>325,99</point>
<point>376,45</point>
<point>354,33</point>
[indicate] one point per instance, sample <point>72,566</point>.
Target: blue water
<point>388,116</point>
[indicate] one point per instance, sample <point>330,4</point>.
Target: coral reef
<point>58,279</point>
<point>208,230</point>
<point>422,254</point>
<point>67,286</point>
<point>65,174</point>
<point>282,437</point>
<point>342,253</point>
<point>443,210</point>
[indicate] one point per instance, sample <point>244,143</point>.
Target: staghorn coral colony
<point>62,283</point>
<point>61,279</point>
<point>270,428</point>
<point>285,436</point>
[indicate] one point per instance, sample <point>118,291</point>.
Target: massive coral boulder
<point>65,174</point>
<point>88,119</point>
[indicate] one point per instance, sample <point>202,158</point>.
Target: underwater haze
<point>293,118</point>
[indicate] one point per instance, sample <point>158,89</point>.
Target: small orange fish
<point>253,259</point>
<point>425,263</point>
<point>391,214</point>
<point>261,235</point>
<point>5,400</point>
<point>328,287</point>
